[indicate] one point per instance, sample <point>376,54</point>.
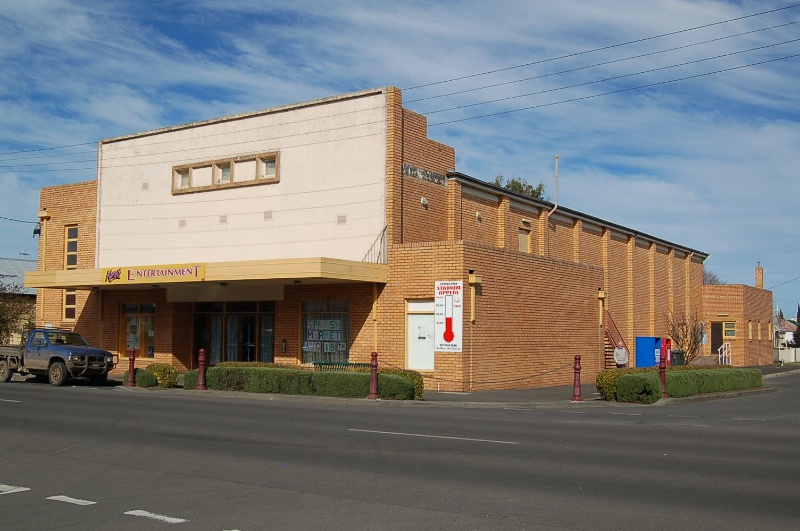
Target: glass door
<point>266,345</point>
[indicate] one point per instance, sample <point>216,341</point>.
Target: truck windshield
<point>66,338</point>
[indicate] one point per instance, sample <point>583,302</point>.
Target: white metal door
<point>420,341</point>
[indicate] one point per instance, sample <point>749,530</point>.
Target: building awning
<point>316,270</point>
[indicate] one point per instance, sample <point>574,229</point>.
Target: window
<point>222,172</point>
<point>181,178</point>
<point>729,330</point>
<point>71,247</point>
<point>244,170</point>
<point>326,327</point>
<point>750,330</point>
<point>266,167</point>
<point>70,301</point>
<point>70,304</point>
<point>524,240</point>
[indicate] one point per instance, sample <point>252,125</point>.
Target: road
<point>118,458</point>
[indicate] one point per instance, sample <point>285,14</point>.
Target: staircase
<point>611,337</point>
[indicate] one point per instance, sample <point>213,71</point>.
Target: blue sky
<point>677,118</point>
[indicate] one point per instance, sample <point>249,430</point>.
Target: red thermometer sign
<point>449,316</point>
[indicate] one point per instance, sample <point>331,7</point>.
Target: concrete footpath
<point>535,398</point>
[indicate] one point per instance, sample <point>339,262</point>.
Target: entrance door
<point>240,338</point>
<point>716,337</point>
<point>419,335</point>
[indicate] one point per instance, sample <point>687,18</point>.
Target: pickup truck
<point>55,356</point>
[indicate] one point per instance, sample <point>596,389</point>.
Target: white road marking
<point>432,436</point>
<point>74,501</point>
<point>628,414</point>
<point>744,418</point>
<point>11,489</point>
<point>7,400</point>
<point>159,517</point>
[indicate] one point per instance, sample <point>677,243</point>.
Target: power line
<point>618,91</point>
<point>610,78</point>
<point>601,48</point>
<point>604,63</point>
<point>18,220</point>
<point>782,283</point>
<point>184,150</point>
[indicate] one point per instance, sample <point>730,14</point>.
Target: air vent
<point>181,223</point>
<point>268,215</point>
<point>341,220</point>
<point>145,187</point>
<point>223,220</point>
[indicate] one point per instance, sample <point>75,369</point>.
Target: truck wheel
<point>5,372</point>
<point>57,373</point>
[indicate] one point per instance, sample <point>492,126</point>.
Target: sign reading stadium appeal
<point>449,315</point>
<point>154,274</point>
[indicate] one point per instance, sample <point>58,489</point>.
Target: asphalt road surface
<point>82,457</point>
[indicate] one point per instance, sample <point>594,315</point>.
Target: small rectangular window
<point>223,172</point>
<point>181,178</point>
<point>70,303</point>
<point>729,330</point>
<point>71,247</point>
<point>267,167</point>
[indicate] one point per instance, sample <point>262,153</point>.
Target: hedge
<point>144,378</point>
<point>606,381</point>
<point>645,386</point>
<point>262,379</point>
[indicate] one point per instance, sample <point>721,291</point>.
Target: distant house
<point>12,272</point>
<point>784,346</point>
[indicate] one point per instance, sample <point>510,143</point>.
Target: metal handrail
<point>724,354</point>
<point>613,333</point>
<point>378,252</point>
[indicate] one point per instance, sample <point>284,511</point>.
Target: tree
<point>711,278</point>
<point>687,334</point>
<point>16,310</point>
<point>797,337</point>
<point>520,186</point>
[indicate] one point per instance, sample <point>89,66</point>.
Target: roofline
<point>250,114</point>
<point>546,204</point>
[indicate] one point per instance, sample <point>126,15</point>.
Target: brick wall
<point>749,308</point>
<point>70,204</point>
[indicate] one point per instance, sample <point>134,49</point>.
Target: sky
<point>677,118</point>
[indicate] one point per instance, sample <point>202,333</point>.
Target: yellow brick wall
<point>483,228</point>
<point>533,315</point>
<point>71,204</point>
<point>743,305</point>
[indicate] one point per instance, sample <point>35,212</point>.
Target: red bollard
<point>576,386</point>
<point>373,377</point>
<point>662,368</point>
<point>201,371</point>
<point>131,369</point>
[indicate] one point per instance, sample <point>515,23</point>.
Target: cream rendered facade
<point>332,202</point>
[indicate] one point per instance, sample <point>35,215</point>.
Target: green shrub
<point>349,384</point>
<point>606,381</point>
<point>643,387</point>
<point>681,384</point>
<point>144,378</point>
<point>414,376</point>
<point>396,387</point>
<point>190,380</point>
<point>167,375</point>
<point>266,379</point>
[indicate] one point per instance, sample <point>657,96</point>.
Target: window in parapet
<point>244,170</point>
